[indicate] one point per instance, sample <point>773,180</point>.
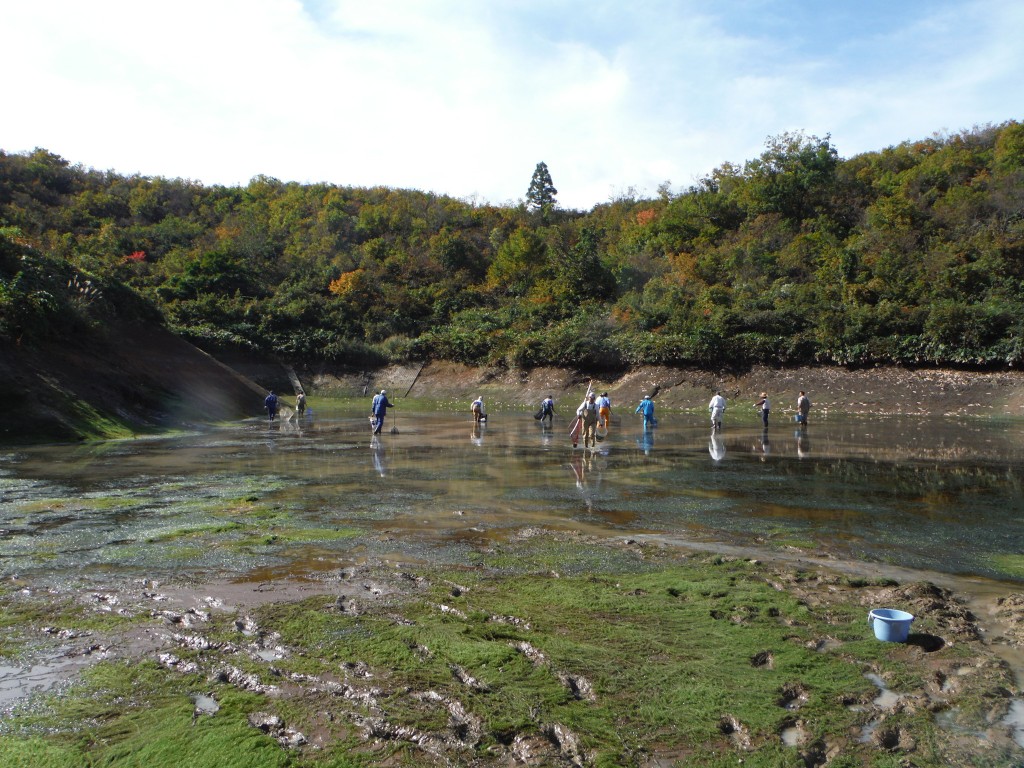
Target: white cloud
<point>465,98</point>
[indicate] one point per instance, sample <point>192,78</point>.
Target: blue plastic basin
<point>890,625</point>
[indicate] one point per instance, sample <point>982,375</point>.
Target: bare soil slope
<point>868,391</point>
<point>137,379</point>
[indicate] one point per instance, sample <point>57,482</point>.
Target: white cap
<point>383,392</point>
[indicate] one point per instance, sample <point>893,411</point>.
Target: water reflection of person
<point>716,446</point>
<point>646,440</point>
<point>766,445</point>
<point>290,425</point>
<point>803,443</point>
<point>582,466</point>
<point>477,435</point>
<point>377,449</point>
<point>546,433</point>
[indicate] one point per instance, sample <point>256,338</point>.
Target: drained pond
<point>309,551</point>
<point>260,499</point>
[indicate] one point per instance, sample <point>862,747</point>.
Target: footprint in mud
<point>738,733</point>
<point>763,660</point>
<point>577,685</point>
<point>792,696</point>
<point>825,644</point>
<point>892,738</point>
<point>927,643</point>
<point>793,733</point>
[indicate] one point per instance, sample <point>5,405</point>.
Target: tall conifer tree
<point>541,194</point>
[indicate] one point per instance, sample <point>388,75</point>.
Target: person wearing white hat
<point>646,408</point>
<point>590,415</point>
<point>379,409</point>
<point>764,406</point>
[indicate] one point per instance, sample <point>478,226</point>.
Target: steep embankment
<point>139,379</point>
<point>884,390</point>
<point>134,379</point>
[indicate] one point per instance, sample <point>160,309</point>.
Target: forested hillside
<point>910,255</point>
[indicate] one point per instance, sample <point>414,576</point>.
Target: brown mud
<point>987,621</point>
<point>145,378</point>
<point>883,390</point>
<point>154,379</point>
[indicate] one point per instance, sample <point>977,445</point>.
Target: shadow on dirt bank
<point>135,380</point>
<point>139,379</point>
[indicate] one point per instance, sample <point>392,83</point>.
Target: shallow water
<point>259,501</point>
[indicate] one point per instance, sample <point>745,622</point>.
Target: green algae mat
<point>550,649</point>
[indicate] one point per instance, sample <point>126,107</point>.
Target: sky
<point>466,97</point>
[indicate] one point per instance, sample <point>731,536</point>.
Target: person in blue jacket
<point>379,409</point>
<point>270,403</point>
<point>646,407</point>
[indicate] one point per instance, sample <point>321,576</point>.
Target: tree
<point>794,177</point>
<point>518,263</point>
<point>541,194</point>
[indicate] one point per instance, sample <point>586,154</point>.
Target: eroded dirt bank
<point>133,379</point>
<point>876,390</point>
<point>138,379</point>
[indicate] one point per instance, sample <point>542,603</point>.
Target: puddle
<point>949,720</point>
<point>204,501</point>
<point>1014,720</point>
<point>886,699</point>
<point>204,705</point>
<point>270,654</point>
<point>21,682</point>
<point>867,731</point>
<point>792,736</point>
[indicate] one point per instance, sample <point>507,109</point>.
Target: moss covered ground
<point>545,650</point>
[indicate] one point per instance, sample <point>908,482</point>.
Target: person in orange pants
<point>604,410</point>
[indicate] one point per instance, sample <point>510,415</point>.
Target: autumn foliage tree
<point>912,254</point>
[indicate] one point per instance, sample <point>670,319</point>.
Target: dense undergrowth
<point>910,255</point>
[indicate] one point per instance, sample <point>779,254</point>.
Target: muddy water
<point>259,501</point>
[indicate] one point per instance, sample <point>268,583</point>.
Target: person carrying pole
<point>588,413</point>
<point>577,424</point>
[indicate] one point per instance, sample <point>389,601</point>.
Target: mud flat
<point>544,649</point>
